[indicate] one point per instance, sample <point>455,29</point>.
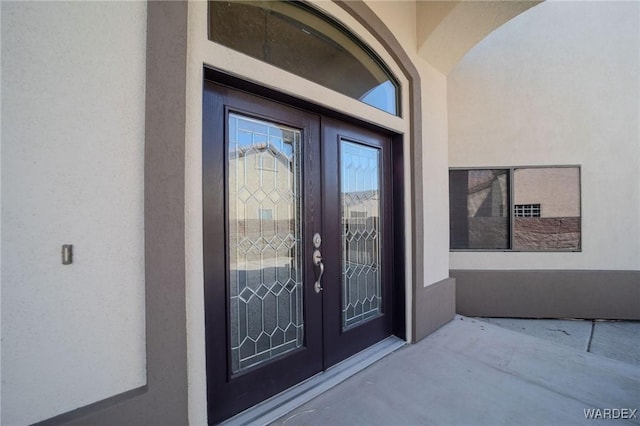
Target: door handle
<point>317,260</point>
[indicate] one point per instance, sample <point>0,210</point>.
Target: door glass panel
<point>360,199</point>
<point>265,265</point>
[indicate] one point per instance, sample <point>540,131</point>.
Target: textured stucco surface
<point>400,18</point>
<point>73,78</point>
<point>448,29</point>
<point>558,85</point>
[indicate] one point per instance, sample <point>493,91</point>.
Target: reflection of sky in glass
<point>245,132</point>
<point>359,168</point>
<point>383,96</point>
<point>282,30</point>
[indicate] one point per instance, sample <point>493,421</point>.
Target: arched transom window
<point>297,38</point>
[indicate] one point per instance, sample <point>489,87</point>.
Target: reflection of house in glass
<point>557,193</point>
<point>264,241</point>
<point>488,208</point>
<point>263,194</point>
<point>361,224</point>
<point>546,208</point>
<point>479,209</point>
<point>360,199</point>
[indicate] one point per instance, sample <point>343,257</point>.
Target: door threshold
<point>285,402</point>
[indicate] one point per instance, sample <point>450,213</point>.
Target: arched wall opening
<point>558,85</point>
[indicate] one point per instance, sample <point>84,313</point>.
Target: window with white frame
<point>526,210</point>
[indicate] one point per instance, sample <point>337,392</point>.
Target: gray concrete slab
<point>617,339</point>
<point>574,333</point>
<point>474,373</point>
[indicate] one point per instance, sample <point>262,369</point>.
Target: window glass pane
<point>265,258</point>
<point>360,195</point>
<point>298,39</point>
<point>550,214</point>
<point>479,209</point>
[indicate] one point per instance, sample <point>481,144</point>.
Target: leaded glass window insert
<point>360,212</point>
<point>265,264</point>
<point>299,39</point>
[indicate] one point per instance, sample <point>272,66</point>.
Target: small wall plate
<point>67,254</point>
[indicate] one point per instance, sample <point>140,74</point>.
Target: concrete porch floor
<point>493,372</point>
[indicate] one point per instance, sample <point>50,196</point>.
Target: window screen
<point>479,213</point>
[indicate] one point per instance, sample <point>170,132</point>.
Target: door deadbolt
<point>317,240</point>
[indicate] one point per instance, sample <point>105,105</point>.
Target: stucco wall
<point>400,18</point>
<point>435,184</point>
<point>73,78</point>
<point>558,85</point>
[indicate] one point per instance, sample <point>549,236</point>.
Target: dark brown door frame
<point>398,180</point>
<point>394,262</point>
<point>339,344</point>
<point>231,394</point>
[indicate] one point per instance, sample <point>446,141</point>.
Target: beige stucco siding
<point>73,88</point>
<point>558,85</point>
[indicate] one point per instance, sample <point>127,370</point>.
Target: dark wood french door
<point>297,245</point>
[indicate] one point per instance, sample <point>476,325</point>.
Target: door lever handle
<point>317,260</point>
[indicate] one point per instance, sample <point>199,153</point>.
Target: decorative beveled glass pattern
<point>360,198</point>
<point>265,265</point>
